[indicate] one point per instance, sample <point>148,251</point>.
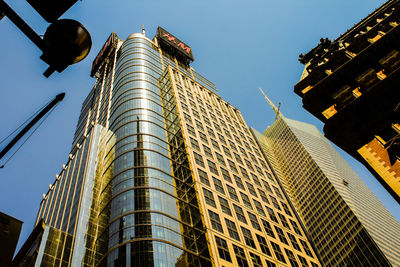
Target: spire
<point>143,30</point>
<point>274,108</point>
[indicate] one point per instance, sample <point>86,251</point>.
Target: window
<point>244,173</point>
<point>267,228</point>
<point>223,249</point>
<point>239,213</point>
<point>306,248</point>
<point>251,189</point>
<point>213,167</point>
<point>237,157</point>
<point>259,207</point>
<point>198,159</point>
<point>275,202</point>
<point>191,130</point>
<point>203,137</point>
<point>277,192</point>
<point>249,165</point>
<point>232,229</point>
<point>227,133</point>
<point>225,175</point>
<point>281,235</point>
<point>239,182</point>
<point>267,186</point>
<point>241,149</point>
<point>246,200</point>
<point>203,177</point>
<point>194,143</point>
<point>215,145</point>
<point>207,151</point>
<point>278,252</point>
<point>284,221</point>
<point>291,257</point>
<point>216,126</point>
<point>256,260</point>
<point>210,132</point>
<point>254,221</point>
<point>263,196</point>
<point>303,261</point>
<point>220,158</point>
<point>293,240</point>
<point>232,165</point>
<point>208,196</point>
<point>286,208</point>
<point>222,139</point>
<point>240,256</point>
<point>255,179</point>
<point>248,238</point>
<point>195,113</point>
<point>224,206</point>
<point>272,214</point>
<point>232,193</point>
<point>187,117</point>
<point>206,120</point>
<point>218,185</point>
<point>233,146</point>
<point>263,245</point>
<point>270,263</point>
<point>237,139</point>
<point>215,221</point>
<point>227,151</point>
<point>295,227</point>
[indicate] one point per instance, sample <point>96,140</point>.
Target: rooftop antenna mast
<point>274,108</point>
<point>143,30</point>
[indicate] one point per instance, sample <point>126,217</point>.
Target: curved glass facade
<point>144,226</point>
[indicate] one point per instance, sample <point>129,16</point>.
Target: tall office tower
<point>163,172</point>
<point>347,223</point>
<point>351,84</point>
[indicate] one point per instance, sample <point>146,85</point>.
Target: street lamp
<point>65,41</point>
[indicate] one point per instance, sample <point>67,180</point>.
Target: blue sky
<point>238,45</point>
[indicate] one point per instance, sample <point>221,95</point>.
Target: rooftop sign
<point>174,46</point>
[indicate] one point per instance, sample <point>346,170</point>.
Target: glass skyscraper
<point>347,223</point>
<point>163,172</point>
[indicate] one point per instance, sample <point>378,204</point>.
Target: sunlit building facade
<point>163,172</point>
<point>347,223</point>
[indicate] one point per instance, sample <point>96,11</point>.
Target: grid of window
<point>254,221</point>
<point>203,137</point>
<point>203,177</point>
<point>226,151</point>
<point>224,205</point>
<point>281,235</point>
<point>271,214</point>
<point>259,208</point>
<point>239,213</point>
<point>240,256</point>
<point>220,158</point>
<point>295,227</point>
<point>284,221</point>
<point>291,258</point>
<point>256,260</point>
<point>263,245</point>
<point>215,144</point>
<point>286,209</point>
<point>209,197</point>
<point>207,151</point>
<point>218,185</point>
<point>263,196</point>
<point>244,173</point>
<point>191,130</point>
<point>305,247</point>
<point>223,249</point>
<point>278,252</point>
<point>239,182</point>
<point>198,159</point>
<point>212,167</point>
<point>251,189</point>
<point>194,143</point>
<point>268,228</point>
<point>303,261</point>
<point>215,221</point>
<point>225,175</point>
<point>232,193</point>
<point>246,200</point>
<point>293,240</point>
<point>232,229</point>
<point>248,238</point>
<point>275,202</point>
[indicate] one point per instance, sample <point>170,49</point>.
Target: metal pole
<point>21,24</point>
<point>46,109</point>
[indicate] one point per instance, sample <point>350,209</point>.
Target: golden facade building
<point>347,223</point>
<point>163,172</point>
<point>351,85</point>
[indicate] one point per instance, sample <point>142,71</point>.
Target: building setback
<point>347,223</point>
<point>351,85</point>
<point>163,172</point>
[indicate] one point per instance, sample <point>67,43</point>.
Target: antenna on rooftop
<point>274,108</point>
<point>143,30</point>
